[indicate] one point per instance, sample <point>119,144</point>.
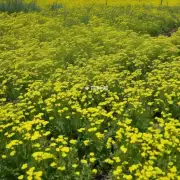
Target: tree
<point>161,2</point>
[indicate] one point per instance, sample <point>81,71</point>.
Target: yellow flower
<point>64,154</point>
<point>173,169</point>
<point>30,178</point>
<point>61,168</point>
<point>116,159</point>
<point>47,133</point>
<point>81,130</point>
<point>24,166</point>
<point>51,118</point>
<point>35,136</point>
<point>30,171</point>
<point>117,171</point>
<point>123,149</point>
<point>64,142</point>
<point>92,160</point>
<point>20,177</point>
<point>93,129</point>
<point>170,163</point>
<point>38,175</point>
<point>83,161</point>
<point>94,171</point>
<point>91,154</point>
<point>53,144</point>
<point>4,156</point>
<point>27,136</point>
<point>73,141</point>
<point>134,138</point>
<point>99,135</point>
<point>86,142</point>
<point>65,149</point>
<point>143,154</point>
<point>53,164</point>
<point>39,156</point>
<point>12,153</point>
<point>58,149</point>
<point>36,145</point>
<point>109,161</point>
<point>128,121</point>
<point>133,167</point>
<point>74,165</point>
<point>37,178</point>
<point>77,173</point>
<point>128,177</point>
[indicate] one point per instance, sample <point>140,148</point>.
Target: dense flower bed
<point>91,95</point>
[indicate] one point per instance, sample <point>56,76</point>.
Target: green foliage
<point>12,6</point>
<point>56,6</point>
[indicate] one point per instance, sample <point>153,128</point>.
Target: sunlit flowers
<point>39,156</point>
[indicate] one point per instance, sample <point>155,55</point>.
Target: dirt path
<point>170,32</point>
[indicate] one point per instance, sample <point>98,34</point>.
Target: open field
<point>90,93</point>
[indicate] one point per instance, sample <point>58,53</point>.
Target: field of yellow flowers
<point>90,93</point>
<point>110,2</point>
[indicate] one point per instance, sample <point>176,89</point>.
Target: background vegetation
<point>113,2</point>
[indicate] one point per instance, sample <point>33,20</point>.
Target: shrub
<point>12,6</point>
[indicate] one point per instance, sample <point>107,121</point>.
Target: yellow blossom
<point>94,171</point>
<point>12,153</point>
<point>117,171</point>
<point>74,165</point>
<point>77,173</point>
<point>123,149</point>
<point>86,142</point>
<point>99,135</point>
<point>91,154</point>
<point>61,168</point>
<point>53,164</point>
<point>92,160</point>
<point>83,161</point>
<point>73,141</point>
<point>4,156</point>
<point>65,149</point>
<point>116,159</point>
<point>30,177</point>
<point>24,166</point>
<point>81,130</point>
<point>128,177</point>
<point>64,154</point>
<point>20,177</point>
<point>109,161</point>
